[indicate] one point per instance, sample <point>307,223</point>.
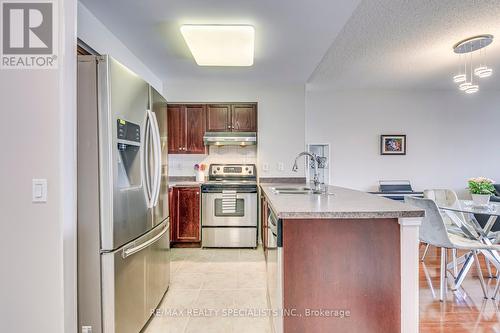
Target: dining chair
<point>434,231</point>
<point>445,197</point>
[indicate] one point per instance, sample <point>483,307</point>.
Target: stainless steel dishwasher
<point>275,270</point>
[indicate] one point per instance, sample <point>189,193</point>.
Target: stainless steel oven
<point>229,207</point>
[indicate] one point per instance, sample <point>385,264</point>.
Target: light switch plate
<point>265,166</point>
<point>281,166</point>
<point>86,329</point>
<point>39,190</point>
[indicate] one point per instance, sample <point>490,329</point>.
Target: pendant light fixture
<point>465,50</point>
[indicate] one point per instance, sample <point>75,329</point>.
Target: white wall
<point>37,247</point>
<point>95,34</point>
<point>280,117</point>
<point>450,136</point>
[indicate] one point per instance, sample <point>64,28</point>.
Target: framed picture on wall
<point>393,144</point>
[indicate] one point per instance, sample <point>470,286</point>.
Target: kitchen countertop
<point>184,183</point>
<point>340,203</point>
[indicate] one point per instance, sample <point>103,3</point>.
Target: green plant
<point>481,185</point>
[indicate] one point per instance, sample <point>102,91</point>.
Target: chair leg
<point>442,281</point>
<point>497,287</point>
<point>455,265</point>
<point>480,274</point>
<point>425,252</point>
<point>488,267</point>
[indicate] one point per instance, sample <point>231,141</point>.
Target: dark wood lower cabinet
<point>185,215</point>
<point>345,265</point>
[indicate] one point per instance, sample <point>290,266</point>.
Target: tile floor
<point>210,283</point>
<point>235,279</point>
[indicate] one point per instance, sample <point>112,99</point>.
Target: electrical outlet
<point>281,166</point>
<point>265,166</point>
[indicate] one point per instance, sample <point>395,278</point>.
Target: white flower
<point>481,180</point>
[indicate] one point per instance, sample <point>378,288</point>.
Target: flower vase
<point>481,199</point>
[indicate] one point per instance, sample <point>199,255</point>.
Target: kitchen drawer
<point>229,237</point>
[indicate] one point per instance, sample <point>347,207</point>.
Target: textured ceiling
<point>291,35</point>
<point>408,45</point>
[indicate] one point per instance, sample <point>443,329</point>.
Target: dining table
<point>462,214</point>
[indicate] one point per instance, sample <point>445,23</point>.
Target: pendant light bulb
<point>464,86</point>
<point>459,78</point>
<point>483,71</point>
<point>472,89</point>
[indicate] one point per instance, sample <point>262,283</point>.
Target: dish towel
<point>228,202</point>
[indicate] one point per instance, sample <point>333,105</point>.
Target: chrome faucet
<point>315,160</point>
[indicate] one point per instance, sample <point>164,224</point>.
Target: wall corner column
<point>409,242</point>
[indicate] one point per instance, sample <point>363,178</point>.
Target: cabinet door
<point>195,129</point>
<point>172,210</point>
<point>176,129</point>
<point>188,214</point>
<point>218,118</point>
<point>244,118</point>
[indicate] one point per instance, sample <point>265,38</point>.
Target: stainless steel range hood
<point>230,138</point>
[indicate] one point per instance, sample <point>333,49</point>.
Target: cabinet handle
<point>180,148</point>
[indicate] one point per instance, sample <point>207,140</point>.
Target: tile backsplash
<point>183,164</point>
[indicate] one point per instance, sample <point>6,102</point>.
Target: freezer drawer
<point>229,237</point>
<point>134,279</point>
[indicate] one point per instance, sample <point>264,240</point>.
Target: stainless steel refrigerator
<point>123,222</point>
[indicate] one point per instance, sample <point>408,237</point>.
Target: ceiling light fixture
<point>220,45</point>
<point>459,78</point>
<point>472,89</point>
<point>468,47</point>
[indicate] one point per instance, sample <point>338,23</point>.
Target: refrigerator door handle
<point>145,161</point>
<point>157,149</point>
<point>127,252</point>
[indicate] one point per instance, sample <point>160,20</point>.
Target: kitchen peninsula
<point>345,261</point>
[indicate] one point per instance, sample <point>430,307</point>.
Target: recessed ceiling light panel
<point>220,45</point>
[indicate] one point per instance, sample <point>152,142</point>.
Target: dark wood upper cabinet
<point>218,117</point>
<point>186,127</point>
<point>232,117</point>
<point>195,129</point>
<point>187,124</point>
<point>186,201</point>
<point>244,118</point>
<point>176,129</point>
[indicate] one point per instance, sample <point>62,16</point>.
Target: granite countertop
<point>184,183</point>
<point>341,203</point>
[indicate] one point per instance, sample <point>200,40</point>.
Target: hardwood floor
<point>464,310</point>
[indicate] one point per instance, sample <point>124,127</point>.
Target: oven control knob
<point>218,168</point>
